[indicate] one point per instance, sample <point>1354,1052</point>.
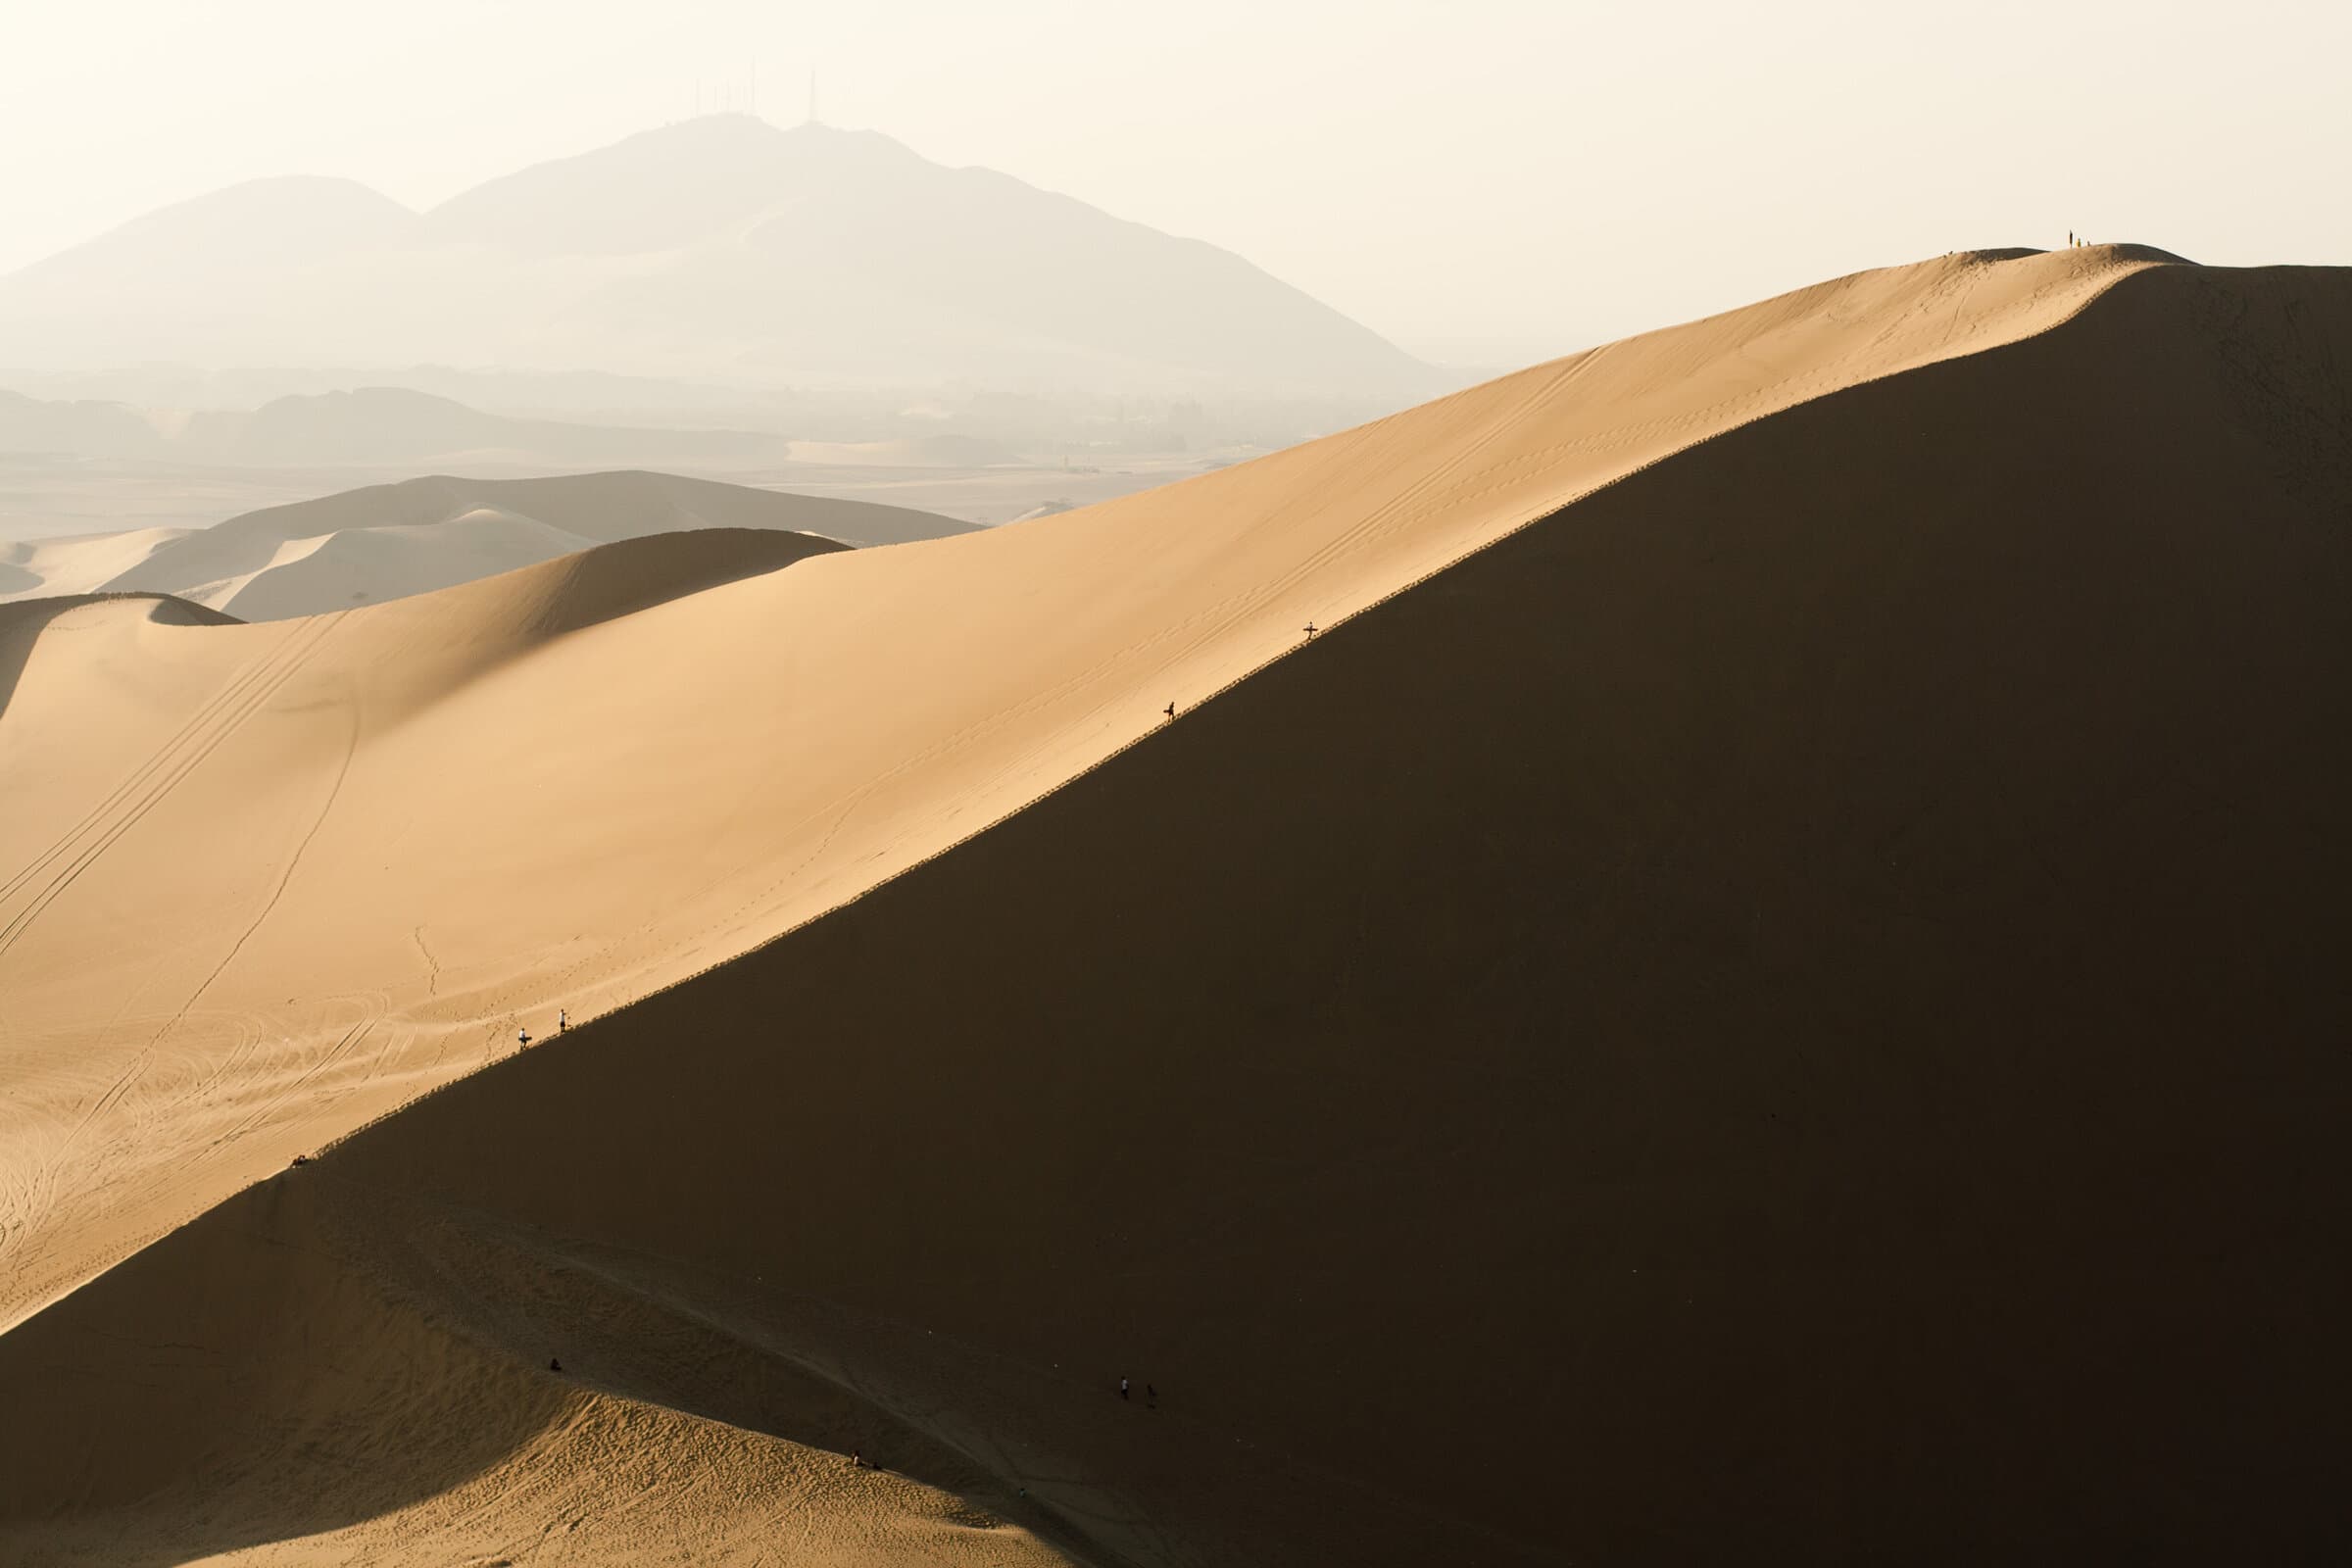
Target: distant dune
<point>693,251</point>
<point>75,564</point>
<point>1729,955</point>
<point>391,541</point>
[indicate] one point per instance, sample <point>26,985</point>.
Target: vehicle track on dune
<point>152,781</point>
<point>351,747</point>
<point>376,1006</point>
<point>244,695</point>
<point>204,711</point>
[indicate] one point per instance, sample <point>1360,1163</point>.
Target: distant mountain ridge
<point>366,425</point>
<point>82,426</point>
<point>392,424</point>
<point>719,247</point>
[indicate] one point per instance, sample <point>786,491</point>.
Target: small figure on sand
<point>523,1037</point>
<point>1123,1394</point>
<point>1170,709</point>
<point>563,1020</point>
<point>553,1365</point>
<point>1152,1394</point>
<point>1310,631</point>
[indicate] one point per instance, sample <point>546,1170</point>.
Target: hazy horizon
<point>1474,204</point>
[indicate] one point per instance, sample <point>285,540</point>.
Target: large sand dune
<point>1787,1010</point>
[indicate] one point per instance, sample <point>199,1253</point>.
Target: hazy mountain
<point>720,247</point>
<point>366,426</point>
<point>264,224</point>
<point>391,425</point>
<point>277,261</point>
<point>94,429</point>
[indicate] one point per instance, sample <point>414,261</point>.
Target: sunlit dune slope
<point>286,875</point>
<point>1789,1011</point>
<point>21,623</point>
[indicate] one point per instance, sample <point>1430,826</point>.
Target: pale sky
<point>1484,181</point>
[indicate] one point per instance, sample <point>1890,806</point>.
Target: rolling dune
<point>76,563</point>
<point>391,541</point>
<point>1783,1011</point>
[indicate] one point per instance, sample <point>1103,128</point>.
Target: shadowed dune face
<point>1788,1011</point>
<point>356,1398</point>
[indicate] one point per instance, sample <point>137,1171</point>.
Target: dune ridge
<point>22,622</point>
<point>1869,760</point>
<point>558,875</point>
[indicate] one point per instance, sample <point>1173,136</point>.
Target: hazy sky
<point>1483,180</point>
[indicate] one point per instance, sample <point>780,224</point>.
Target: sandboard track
<point>201,717</point>
<point>153,782</point>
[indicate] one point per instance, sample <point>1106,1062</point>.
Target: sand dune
<point>391,541</point>
<point>1782,1011</point>
<point>21,624</point>
<point>83,564</point>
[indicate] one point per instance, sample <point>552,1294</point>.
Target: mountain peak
<point>722,245</point>
<point>682,181</point>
